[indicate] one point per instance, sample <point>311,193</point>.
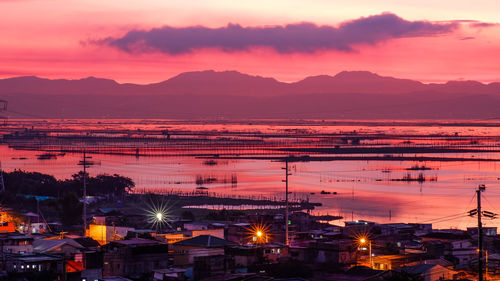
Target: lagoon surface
<point>385,171</point>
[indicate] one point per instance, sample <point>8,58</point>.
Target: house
<point>82,259</point>
<point>405,229</point>
<point>491,261</point>
<point>14,242</point>
<point>134,257</point>
<point>361,273</point>
<point>170,274</point>
<point>245,256</point>
<point>456,247</point>
<point>330,252</point>
<point>6,227</point>
<point>105,233</point>
<point>388,262</point>
<point>463,251</point>
<point>392,262</point>
<point>204,245</point>
<point>353,228</point>
<point>217,232</point>
<point>64,247</point>
<point>34,265</point>
<point>197,225</point>
<point>487,231</point>
<point>239,232</point>
<point>429,272</point>
<point>209,266</point>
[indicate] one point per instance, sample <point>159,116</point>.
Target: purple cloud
<point>292,38</point>
<point>483,24</point>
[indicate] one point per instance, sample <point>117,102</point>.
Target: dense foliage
<point>33,183</point>
<point>62,196</point>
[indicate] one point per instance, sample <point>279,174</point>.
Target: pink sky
<point>44,38</point>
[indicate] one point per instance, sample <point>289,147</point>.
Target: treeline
<point>20,182</point>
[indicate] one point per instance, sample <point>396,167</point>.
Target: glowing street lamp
<point>363,241</point>
<point>159,216</point>
<point>259,236</point>
<point>259,233</point>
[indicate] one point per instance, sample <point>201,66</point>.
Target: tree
<point>70,210</point>
<point>102,184</point>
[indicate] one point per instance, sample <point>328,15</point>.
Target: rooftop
<point>33,257</point>
<point>136,241</point>
<point>207,241</point>
<point>43,245</point>
<point>419,268</point>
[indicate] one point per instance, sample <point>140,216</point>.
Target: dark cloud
<point>483,24</point>
<point>292,38</point>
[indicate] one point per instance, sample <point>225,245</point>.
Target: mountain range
<point>209,94</point>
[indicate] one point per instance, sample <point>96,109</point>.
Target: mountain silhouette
<point>231,94</point>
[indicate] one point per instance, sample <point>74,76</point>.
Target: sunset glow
<point>62,40</point>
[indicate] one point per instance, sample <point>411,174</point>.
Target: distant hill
<point>230,94</point>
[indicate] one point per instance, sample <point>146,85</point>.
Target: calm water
<point>365,189</point>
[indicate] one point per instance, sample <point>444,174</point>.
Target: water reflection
<point>365,189</point>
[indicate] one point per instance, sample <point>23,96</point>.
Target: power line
<point>445,218</point>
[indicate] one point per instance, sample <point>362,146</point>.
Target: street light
<point>158,213</point>
<point>159,216</point>
<point>363,241</point>
<point>260,236</point>
<point>259,233</point>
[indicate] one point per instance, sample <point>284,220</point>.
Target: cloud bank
<point>291,38</point>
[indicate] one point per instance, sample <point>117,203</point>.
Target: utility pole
<point>480,213</point>
<point>85,165</point>
<point>2,183</point>
<point>286,201</point>
<point>480,189</point>
<point>370,253</point>
<point>84,194</point>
